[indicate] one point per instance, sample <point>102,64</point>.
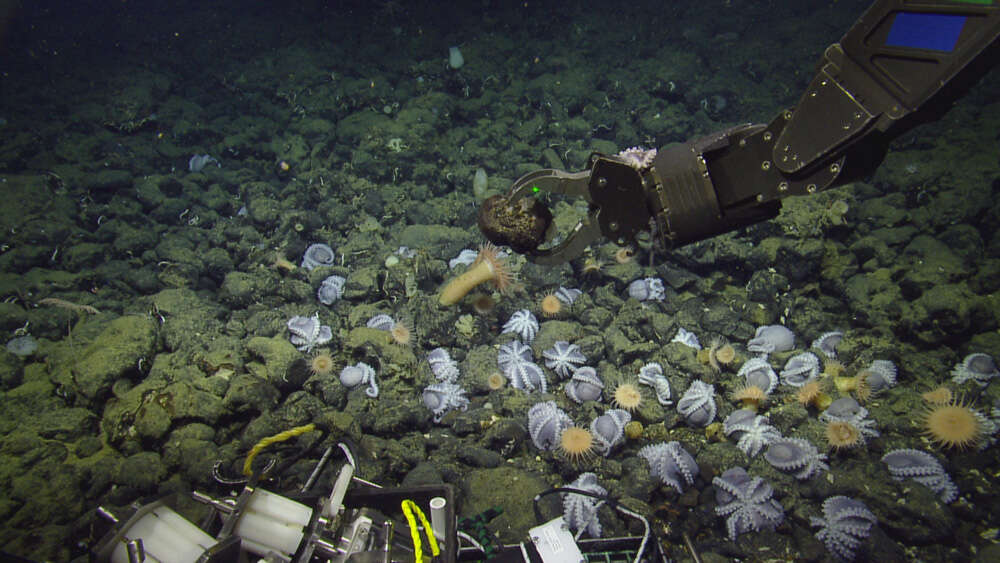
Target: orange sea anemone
<point>488,267</point>
<point>725,354</point>
<point>841,434</point>
<point>811,394</point>
<point>953,425</point>
<point>833,368</point>
<point>321,363</point>
<point>720,353</point>
<point>863,390</point>
<point>846,383</point>
<point>401,333</point>
<point>551,306</point>
<point>857,384</point>
<point>627,396</point>
<point>576,443</point>
<point>939,396</point>
<point>495,381</point>
<point>750,396</point>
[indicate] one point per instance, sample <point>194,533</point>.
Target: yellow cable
<point>265,442</point>
<point>418,555</point>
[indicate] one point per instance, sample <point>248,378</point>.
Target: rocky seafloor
<point>185,358</point>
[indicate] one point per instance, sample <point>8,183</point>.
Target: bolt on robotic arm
<point>902,63</point>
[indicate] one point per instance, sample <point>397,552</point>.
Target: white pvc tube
<point>439,522</point>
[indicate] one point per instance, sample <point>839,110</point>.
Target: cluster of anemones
<point>812,394</point>
<point>577,444</point>
<point>945,420</point>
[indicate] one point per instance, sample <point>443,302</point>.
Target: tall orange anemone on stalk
<point>488,267</point>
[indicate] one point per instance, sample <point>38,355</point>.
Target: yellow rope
<point>418,554</point>
<point>265,442</point>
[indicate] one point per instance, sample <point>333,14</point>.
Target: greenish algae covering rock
<point>277,353</point>
<point>243,288</point>
<point>380,344</point>
<point>148,410</point>
<point>509,488</point>
<point>113,354</point>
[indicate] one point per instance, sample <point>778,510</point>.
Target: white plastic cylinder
<point>166,536</point>
<point>439,517</point>
<point>271,522</point>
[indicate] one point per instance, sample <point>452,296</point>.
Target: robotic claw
<point>901,64</point>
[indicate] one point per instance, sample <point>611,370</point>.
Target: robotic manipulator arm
<point>901,64</point>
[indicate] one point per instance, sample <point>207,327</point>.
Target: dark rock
<point>872,252</point>
<point>241,288</point>
<point>424,473</point>
<point>141,472</point>
<point>263,210</point>
<point>943,313</point>
<point>987,277</point>
<point>637,481</point>
<point>247,393</point>
<point>87,446</point>
<point>152,421</point>
<point>463,423</point>
<point>110,180</point>
<point>535,275</point>
<point>390,419</point>
<point>447,240</point>
<point>479,457</point>
<point>765,285</point>
<point>874,297</point>
<point>505,436</point>
<point>889,210</point>
<point>895,236</point>
<point>931,263</point>
<point>278,355</point>
<point>987,554</point>
<point>596,316</point>
<point>191,449</point>
<point>920,519</point>
<point>677,278</point>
